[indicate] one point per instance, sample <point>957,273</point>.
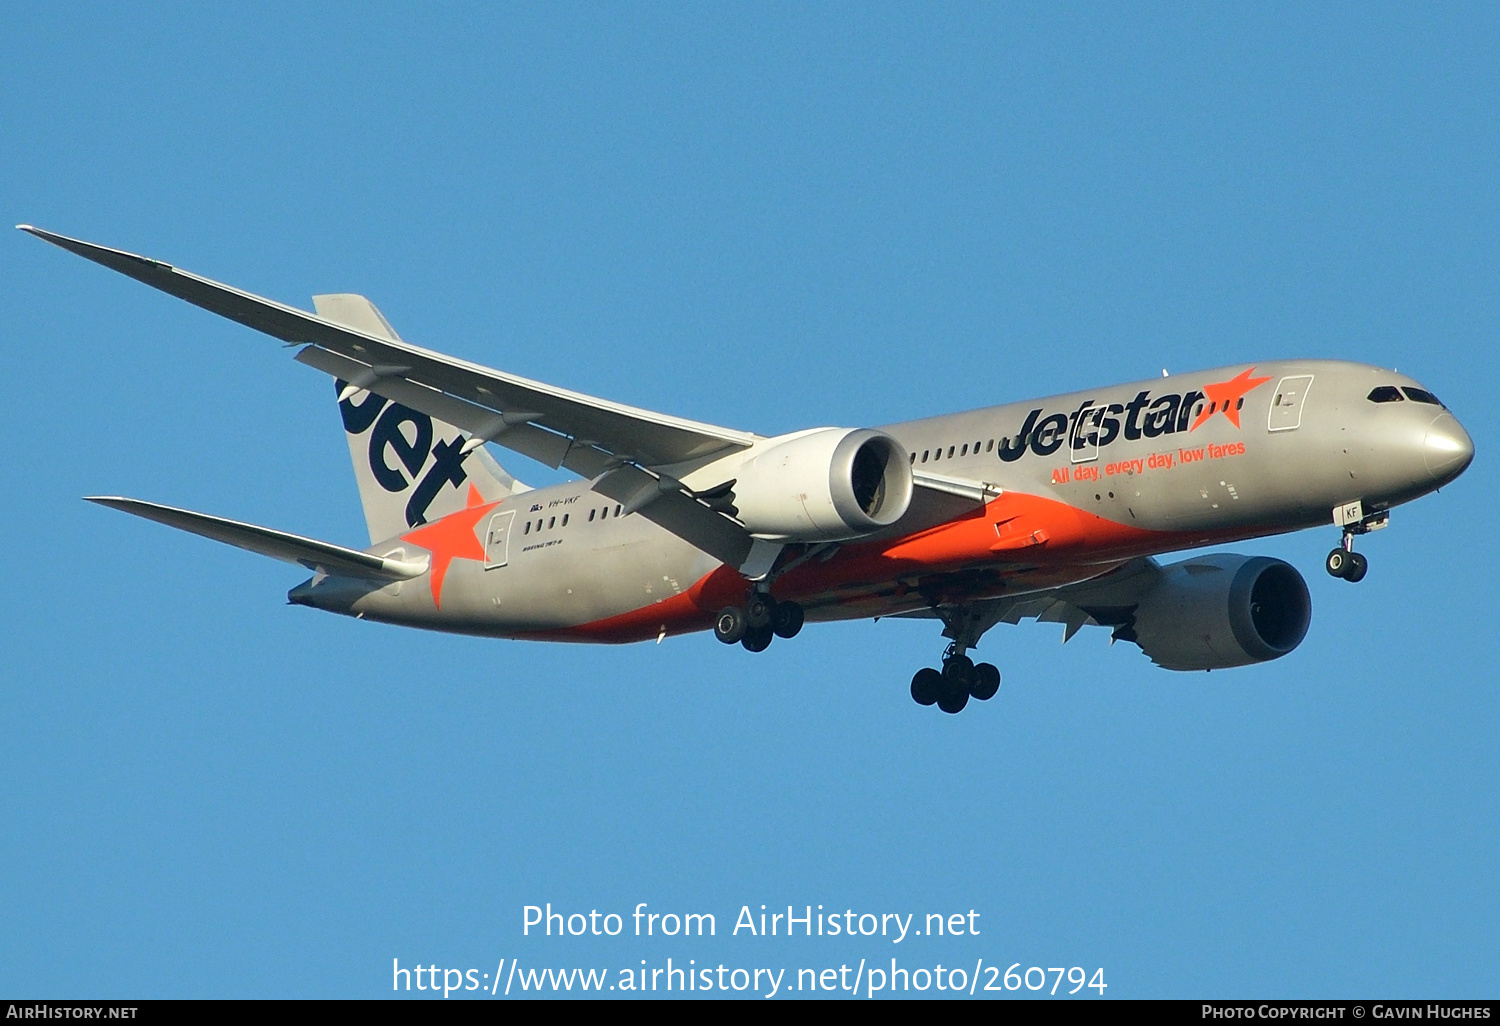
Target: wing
<point>497,401</point>
<point>321,557</point>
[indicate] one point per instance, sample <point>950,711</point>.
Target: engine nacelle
<point>1221,610</point>
<point>828,484</point>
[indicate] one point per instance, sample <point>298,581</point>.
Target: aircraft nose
<point>1447,450</point>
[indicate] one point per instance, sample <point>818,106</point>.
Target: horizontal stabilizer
<point>320,557</point>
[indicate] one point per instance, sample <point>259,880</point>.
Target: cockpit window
<point>1385,394</point>
<point>1421,395</point>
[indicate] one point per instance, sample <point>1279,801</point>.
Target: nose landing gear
<point>1344,561</point>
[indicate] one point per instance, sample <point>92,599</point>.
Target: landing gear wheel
<point>985,683</point>
<point>1358,567</point>
<point>757,639</point>
<point>958,677</point>
<point>729,626</point>
<point>953,701</point>
<point>926,686</point>
<point>1338,562</point>
<point>758,610</point>
<point>958,671</point>
<point>786,619</point>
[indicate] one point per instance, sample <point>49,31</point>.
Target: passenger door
<point>1286,407</point>
<point>497,539</point>
<point>1083,440</point>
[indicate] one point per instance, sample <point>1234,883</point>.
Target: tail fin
<point>411,469</point>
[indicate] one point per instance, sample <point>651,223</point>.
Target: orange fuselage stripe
<point>1056,542</point>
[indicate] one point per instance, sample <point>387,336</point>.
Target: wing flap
<point>671,509</point>
<point>664,503</point>
<point>321,557</point>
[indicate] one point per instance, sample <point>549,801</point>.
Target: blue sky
<point>769,217</point>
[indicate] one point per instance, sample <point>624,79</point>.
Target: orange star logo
<point>1224,397</point>
<point>452,538</point>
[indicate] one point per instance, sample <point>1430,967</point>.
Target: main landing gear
<point>960,679</point>
<point>759,620</point>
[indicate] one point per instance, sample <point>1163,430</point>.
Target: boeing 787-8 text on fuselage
<point>1050,508</point>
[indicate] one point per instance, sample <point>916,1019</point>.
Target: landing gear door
<point>1083,440</point>
<point>1286,407</point>
<point>497,539</point>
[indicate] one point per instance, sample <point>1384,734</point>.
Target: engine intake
<point>828,484</point>
<point>1217,611</point>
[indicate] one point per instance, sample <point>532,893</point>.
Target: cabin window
<point>527,528</point>
<point>914,457</point>
<point>618,507</point>
<point>1240,405</point>
<point>937,455</point>
<point>950,452</point>
<point>565,520</point>
<point>551,522</point>
<point>1421,395</point>
<point>1384,394</point>
<point>965,450</point>
<point>924,455</point>
<point>989,446</point>
<point>592,514</point>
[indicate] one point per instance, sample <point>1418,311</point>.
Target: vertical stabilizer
<point>410,468</point>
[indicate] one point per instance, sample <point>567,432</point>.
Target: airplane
<point>1049,509</point>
